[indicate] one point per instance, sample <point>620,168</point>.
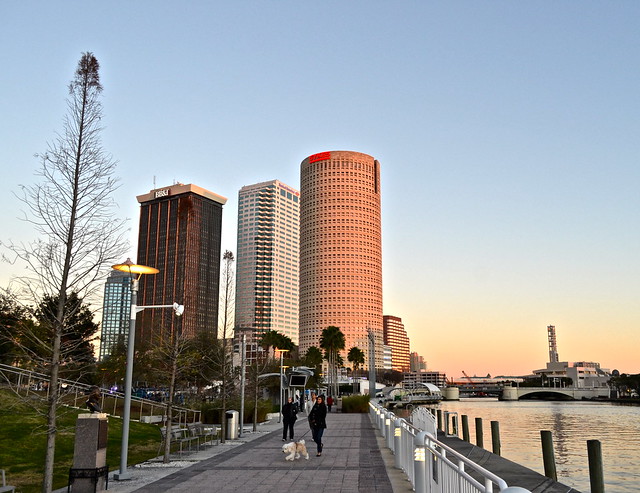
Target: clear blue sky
<point>508,136</point>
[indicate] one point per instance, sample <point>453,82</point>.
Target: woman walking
<point>318,423</point>
<point>289,416</point>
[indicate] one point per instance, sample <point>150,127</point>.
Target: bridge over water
<point>560,393</point>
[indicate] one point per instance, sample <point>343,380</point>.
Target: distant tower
<point>553,348</point>
<point>180,234</point>
<point>267,261</point>
<point>341,250</point>
<point>396,336</point>
<point>116,312</point>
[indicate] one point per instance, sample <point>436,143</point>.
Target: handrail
<point>430,465</point>
<point>24,379</point>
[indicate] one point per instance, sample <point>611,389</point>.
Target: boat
<point>421,393</point>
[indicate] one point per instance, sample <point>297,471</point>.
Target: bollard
<point>419,465</point>
<point>397,443</point>
<point>465,428</point>
<point>440,427</point>
<point>479,439</point>
<point>596,476</point>
<point>548,457</point>
<point>495,437</point>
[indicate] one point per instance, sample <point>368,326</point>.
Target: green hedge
<point>355,404</point>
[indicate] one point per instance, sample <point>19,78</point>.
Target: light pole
<point>243,357</point>
<point>135,271</point>
<point>282,351</point>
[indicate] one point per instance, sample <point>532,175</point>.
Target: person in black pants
<point>318,423</point>
<point>289,416</point>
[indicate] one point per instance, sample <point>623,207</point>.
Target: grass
<point>23,442</point>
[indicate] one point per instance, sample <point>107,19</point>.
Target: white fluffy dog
<point>295,450</point>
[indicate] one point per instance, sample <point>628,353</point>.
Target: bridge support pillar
<point>510,394</point>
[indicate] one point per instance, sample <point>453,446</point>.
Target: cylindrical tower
<point>340,249</point>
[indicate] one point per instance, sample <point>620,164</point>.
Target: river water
<point>571,423</point>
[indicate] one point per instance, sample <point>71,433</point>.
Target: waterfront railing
<point>430,465</point>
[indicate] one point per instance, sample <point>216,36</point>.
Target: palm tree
<point>272,338</point>
<point>332,341</point>
<point>356,358</point>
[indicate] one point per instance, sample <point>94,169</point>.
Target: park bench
<point>178,435</point>
<point>5,488</point>
<point>203,434</point>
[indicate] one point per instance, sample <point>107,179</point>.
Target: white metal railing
<point>430,465</point>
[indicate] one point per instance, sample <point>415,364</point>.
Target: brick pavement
<point>351,462</point>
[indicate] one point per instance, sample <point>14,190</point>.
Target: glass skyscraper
<point>116,312</point>
<point>267,260</point>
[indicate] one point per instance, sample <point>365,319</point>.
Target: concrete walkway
<point>351,461</point>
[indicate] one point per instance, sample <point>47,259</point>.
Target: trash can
<point>233,418</point>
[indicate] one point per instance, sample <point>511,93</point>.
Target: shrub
<point>355,404</point>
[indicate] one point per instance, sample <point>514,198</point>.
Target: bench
<point>177,435</point>
<point>207,434</point>
<point>5,488</point>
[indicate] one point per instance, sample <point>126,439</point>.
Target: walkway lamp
<point>135,272</point>
<point>282,351</point>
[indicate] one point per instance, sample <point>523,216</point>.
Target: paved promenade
<point>351,461</point>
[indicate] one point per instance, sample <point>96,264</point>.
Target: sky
<point>507,132</point>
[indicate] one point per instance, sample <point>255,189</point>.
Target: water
<point>571,424</point>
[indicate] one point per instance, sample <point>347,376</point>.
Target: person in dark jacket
<point>318,423</point>
<point>289,417</point>
<point>93,402</point>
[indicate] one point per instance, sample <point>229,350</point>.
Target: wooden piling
<point>495,437</point>
<point>596,474</point>
<point>548,456</point>
<point>465,428</point>
<point>479,438</point>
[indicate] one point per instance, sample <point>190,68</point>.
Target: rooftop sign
<point>322,156</point>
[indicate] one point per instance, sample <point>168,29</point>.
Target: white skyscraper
<point>267,260</point>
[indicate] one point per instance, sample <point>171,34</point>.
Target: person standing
<point>318,422</point>
<point>289,417</point>
<point>329,403</point>
<point>309,404</point>
<point>93,402</point>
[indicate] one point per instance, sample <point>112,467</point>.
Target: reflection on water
<point>571,424</point>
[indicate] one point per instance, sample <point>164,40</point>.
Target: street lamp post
<point>135,271</point>
<point>282,351</point>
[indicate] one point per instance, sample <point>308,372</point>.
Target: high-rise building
<point>341,250</point>
<point>116,312</point>
<point>267,260</point>
<point>180,234</point>
<point>387,357</point>
<point>396,337</point>
<point>417,363</point>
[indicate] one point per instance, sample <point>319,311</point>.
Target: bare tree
<point>225,329</point>
<point>171,361</point>
<point>72,211</point>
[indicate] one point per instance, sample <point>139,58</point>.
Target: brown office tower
<point>180,230</point>
<point>396,337</point>
<point>341,250</point>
